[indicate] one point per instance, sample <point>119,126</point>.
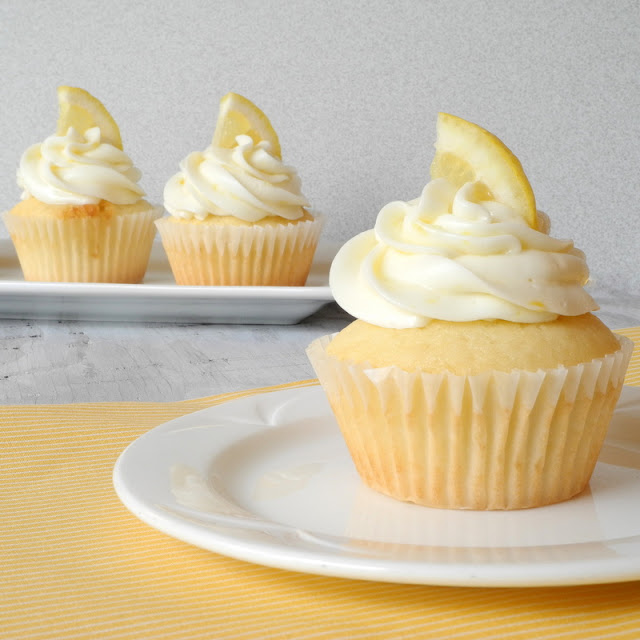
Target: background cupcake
<point>237,215</point>
<point>83,217</point>
<point>475,376</point>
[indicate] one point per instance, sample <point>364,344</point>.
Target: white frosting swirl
<point>246,182</point>
<point>78,169</point>
<point>454,256</point>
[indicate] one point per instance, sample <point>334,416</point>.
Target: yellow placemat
<point>74,563</point>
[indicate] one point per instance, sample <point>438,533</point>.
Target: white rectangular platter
<point>159,299</point>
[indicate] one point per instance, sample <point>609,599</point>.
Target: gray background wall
<point>353,89</point>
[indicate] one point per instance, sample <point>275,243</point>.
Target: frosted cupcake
<point>83,217</point>
<point>475,376</point>
<point>237,215</point>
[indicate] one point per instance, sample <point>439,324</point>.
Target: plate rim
<point>498,574</point>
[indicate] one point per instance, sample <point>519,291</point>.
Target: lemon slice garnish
<point>239,116</point>
<point>466,152</point>
<point>80,110</point>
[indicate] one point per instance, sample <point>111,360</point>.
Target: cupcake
<point>82,217</point>
<point>236,212</point>
<point>475,375</point>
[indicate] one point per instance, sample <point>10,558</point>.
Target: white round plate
<point>268,479</point>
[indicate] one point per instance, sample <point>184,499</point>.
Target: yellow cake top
<point>474,347</point>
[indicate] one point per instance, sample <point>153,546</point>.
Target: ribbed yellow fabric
<point>74,563</point>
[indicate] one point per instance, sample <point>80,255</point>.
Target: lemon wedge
<point>80,110</point>
<point>239,116</point>
<point>466,152</point>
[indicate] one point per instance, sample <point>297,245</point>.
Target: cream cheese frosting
<point>78,169</point>
<point>245,182</point>
<point>454,255</point>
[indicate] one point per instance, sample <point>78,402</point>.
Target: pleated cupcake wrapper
<point>201,254</point>
<point>489,441</point>
<point>85,249</point>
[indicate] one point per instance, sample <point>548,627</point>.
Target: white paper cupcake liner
<point>84,249</point>
<point>489,441</point>
<point>201,254</point>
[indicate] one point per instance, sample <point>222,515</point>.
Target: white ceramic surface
<point>159,299</point>
<point>268,479</point>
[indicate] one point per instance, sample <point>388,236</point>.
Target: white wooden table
<point>54,362</point>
